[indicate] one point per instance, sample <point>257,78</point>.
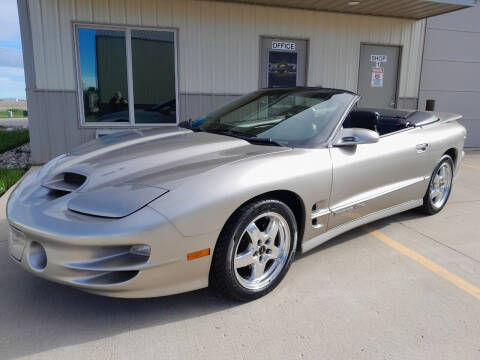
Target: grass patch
<point>12,139</point>
<point>17,113</point>
<point>9,177</point>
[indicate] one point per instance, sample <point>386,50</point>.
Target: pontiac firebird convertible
<point>228,199</point>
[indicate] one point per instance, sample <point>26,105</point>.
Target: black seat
<point>364,119</point>
<point>389,124</point>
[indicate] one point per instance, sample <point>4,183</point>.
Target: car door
<point>372,177</point>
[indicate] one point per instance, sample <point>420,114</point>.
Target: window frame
<point>128,54</point>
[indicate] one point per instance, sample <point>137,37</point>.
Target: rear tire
<point>439,187</point>
<point>254,250</point>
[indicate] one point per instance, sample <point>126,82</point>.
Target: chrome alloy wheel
<point>440,185</point>
<point>262,251</point>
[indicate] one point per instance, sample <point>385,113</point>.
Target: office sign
<point>283,45</point>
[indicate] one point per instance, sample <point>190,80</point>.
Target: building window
<point>127,76</point>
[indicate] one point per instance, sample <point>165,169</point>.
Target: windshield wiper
<point>265,141</point>
<point>250,139</point>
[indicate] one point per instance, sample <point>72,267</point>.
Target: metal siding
<point>451,68</point>
<point>134,15</point>
<point>118,16</point>
<point>66,7</point>
<point>455,76</point>
<point>459,47</point>
<point>464,20</point>
<point>100,11</point>
<point>37,127</point>
<point>148,12</point>
<point>27,43</point>
<point>51,42</point>
<point>39,55</point>
<point>454,101</point>
<point>54,124</point>
<point>83,10</point>
<point>218,47</point>
<point>164,13</point>
<point>219,42</point>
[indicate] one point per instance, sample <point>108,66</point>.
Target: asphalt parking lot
<point>406,287</point>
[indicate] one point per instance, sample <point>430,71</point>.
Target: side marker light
<point>198,254</point>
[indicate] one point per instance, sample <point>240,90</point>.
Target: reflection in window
<point>153,66</point>
<point>282,69</point>
<point>104,75</point>
<point>107,76</point>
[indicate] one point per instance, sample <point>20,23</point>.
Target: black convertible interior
<point>385,121</point>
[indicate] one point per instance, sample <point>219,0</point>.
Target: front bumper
<point>93,254</point>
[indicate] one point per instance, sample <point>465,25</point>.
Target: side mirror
<point>355,136</point>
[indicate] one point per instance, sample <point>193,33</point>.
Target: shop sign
<point>378,59</point>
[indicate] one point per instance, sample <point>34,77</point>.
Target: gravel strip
<point>16,158</point>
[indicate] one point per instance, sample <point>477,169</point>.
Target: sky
<point>88,57</point>
<point>12,77</point>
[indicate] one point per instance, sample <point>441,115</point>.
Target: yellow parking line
<point>422,260</point>
<point>471,166</point>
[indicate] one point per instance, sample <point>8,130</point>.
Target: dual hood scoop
<point>65,182</point>
<point>114,201</point>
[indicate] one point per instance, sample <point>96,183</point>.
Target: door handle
<point>422,147</point>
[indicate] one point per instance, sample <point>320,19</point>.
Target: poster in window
<point>282,69</point>
<point>377,77</point>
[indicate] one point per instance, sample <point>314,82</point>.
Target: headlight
<point>114,201</point>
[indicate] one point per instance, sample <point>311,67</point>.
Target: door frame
<point>307,54</point>
<point>400,54</point>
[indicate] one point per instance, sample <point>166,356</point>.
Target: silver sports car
<point>228,200</point>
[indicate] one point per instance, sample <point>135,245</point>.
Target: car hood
<point>164,158</point>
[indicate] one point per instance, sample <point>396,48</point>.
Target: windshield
<point>291,117</point>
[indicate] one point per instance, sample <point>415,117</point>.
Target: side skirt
<point>320,239</point>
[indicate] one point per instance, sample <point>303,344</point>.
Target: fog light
<point>141,250</point>
<point>37,257</point>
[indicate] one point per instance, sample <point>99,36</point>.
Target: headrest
<point>366,119</point>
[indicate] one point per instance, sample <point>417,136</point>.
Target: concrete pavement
<point>14,122</point>
<point>353,298</point>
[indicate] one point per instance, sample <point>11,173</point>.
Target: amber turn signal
<point>198,254</point>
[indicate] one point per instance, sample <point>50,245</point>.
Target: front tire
<point>440,187</point>
<point>254,250</point>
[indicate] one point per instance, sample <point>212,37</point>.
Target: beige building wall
<point>218,52</point>
<point>219,42</point>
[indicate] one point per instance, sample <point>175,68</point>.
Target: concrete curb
<point>14,122</point>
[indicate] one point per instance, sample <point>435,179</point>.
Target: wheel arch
<point>453,153</point>
<point>291,199</point>
<point>295,203</point>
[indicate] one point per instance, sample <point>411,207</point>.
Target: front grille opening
<point>74,179</point>
<point>108,278</point>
